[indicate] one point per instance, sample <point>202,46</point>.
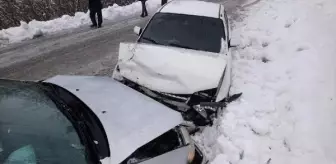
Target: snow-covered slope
<point>286,69</point>
<point>37,28</point>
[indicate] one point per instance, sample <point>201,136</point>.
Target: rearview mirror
<point>234,42</point>
<point>137,30</point>
<point>215,105</point>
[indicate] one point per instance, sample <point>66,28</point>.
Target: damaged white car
<point>89,120</point>
<point>181,58</point>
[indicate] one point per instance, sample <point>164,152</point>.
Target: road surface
<point>81,51</point>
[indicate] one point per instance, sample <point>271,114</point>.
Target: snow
<point>35,28</point>
<point>259,126</point>
<point>188,7</point>
<point>285,69</point>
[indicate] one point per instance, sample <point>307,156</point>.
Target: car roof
<point>130,119</point>
<point>192,7</point>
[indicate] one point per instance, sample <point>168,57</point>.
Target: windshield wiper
<point>150,39</point>
<point>181,46</point>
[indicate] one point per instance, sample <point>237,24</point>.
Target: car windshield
<point>185,31</point>
<point>33,130</point>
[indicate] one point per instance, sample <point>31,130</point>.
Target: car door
<point>228,31</point>
<point>228,35</point>
<point>225,83</point>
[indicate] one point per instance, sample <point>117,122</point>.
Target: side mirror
<point>234,97</point>
<point>137,30</point>
<point>234,42</point>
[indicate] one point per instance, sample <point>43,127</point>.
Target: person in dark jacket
<point>163,2</point>
<point>95,7</point>
<point>144,10</point>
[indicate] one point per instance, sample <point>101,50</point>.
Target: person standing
<point>144,10</point>
<point>95,7</point>
<point>163,2</point>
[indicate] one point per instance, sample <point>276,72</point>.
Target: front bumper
<point>187,104</point>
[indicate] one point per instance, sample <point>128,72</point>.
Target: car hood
<point>169,69</point>
<point>130,118</point>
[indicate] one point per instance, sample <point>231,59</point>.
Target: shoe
<point>99,26</point>
<point>93,26</point>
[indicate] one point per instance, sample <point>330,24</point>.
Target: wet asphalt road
<point>81,51</point>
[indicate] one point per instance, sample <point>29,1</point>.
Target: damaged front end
<point>199,108</point>
<point>161,73</point>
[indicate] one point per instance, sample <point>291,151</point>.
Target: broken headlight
<point>209,109</point>
<point>191,154</point>
<point>202,96</point>
<point>200,110</point>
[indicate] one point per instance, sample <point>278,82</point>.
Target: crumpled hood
<point>170,70</point>
<point>130,118</point>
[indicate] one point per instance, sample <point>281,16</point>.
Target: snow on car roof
<point>191,7</point>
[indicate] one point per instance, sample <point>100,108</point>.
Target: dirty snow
<point>35,28</point>
<point>285,69</point>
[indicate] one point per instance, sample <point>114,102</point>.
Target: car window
<point>33,130</point>
<point>186,31</point>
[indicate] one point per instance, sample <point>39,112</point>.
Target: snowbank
<point>38,28</point>
<point>285,69</point>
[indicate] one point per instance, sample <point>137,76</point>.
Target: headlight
<point>191,154</point>
<point>201,110</point>
<point>202,96</point>
<point>188,141</point>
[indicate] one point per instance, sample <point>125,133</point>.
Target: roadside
<point>35,29</point>
<point>66,54</point>
<point>79,51</point>
<point>285,69</point>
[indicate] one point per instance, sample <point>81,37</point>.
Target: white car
<point>89,120</point>
<point>181,58</point>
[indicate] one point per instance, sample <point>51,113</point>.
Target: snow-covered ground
<point>35,28</point>
<point>286,69</point>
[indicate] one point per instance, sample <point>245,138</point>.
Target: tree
<point>14,11</point>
